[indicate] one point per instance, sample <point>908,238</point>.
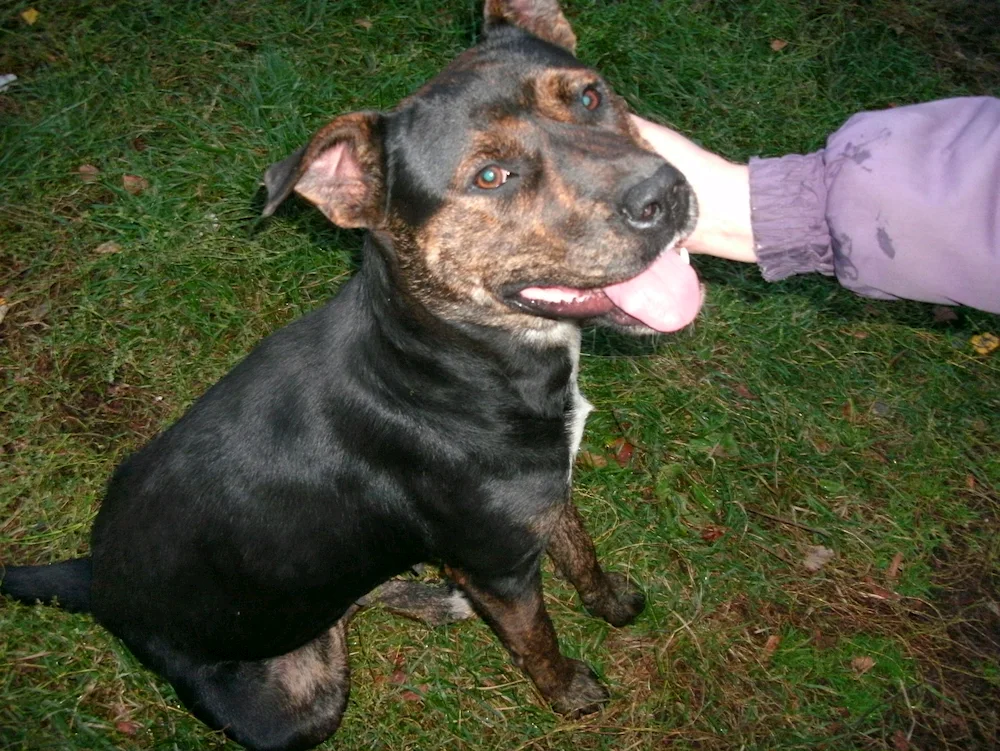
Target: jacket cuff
<point>788,216</point>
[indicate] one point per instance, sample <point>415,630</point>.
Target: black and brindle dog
<point>429,412</point>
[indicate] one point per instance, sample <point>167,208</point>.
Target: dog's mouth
<point>665,297</point>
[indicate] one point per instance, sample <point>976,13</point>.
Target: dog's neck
<point>540,365</point>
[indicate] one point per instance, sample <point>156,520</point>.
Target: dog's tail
<point>431,604</point>
<point>65,584</point>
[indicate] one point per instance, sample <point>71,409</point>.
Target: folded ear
<point>339,170</point>
<point>543,18</point>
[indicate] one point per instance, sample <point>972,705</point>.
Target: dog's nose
<point>647,205</point>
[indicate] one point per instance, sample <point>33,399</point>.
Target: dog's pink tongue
<point>665,297</point>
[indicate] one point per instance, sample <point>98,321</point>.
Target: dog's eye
<point>590,98</point>
<point>491,177</point>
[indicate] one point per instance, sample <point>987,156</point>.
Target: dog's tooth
<point>685,256</point>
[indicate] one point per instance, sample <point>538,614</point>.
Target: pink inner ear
<point>336,183</point>
<point>335,165</point>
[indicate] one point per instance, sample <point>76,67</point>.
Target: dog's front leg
<point>523,625</point>
<point>607,596</point>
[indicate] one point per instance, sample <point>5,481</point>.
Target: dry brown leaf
<point>900,742</point>
<point>592,460</point>
<point>743,392</point>
<point>408,695</point>
<point>770,647</point>
<point>876,592</point>
<point>30,16</point>
<point>862,665</point>
<point>88,172</point>
<point>778,44</point>
<point>4,307</point>
<point>134,184</point>
<point>822,445</point>
<point>944,314</point>
<point>892,573</point>
<point>713,532</point>
<point>106,249</point>
<point>817,557</point>
<point>970,482</point>
<point>364,23</point>
<point>128,727</point>
<point>622,451</point>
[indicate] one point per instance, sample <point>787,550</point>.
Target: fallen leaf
<point>984,344</point>
<point>859,334</point>
<point>88,172</point>
<point>622,451</point>
<point>592,460</point>
<point>822,445</point>
<point>409,695</point>
<point>128,727</point>
<point>892,573</point>
<point>713,532</point>
<point>770,647</point>
<point>364,23</point>
<point>778,44</point>
<point>743,392</point>
<point>944,314</point>
<point>398,677</point>
<point>847,410</point>
<point>877,592</point>
<point>816,558</point>
<point>900,742</point>
<point>134,184</point>
<point>862,665</point>
<point>139,143</point>
<point>106,249</point>
<point>822,640</point>
<point>30,16</point>
<point>4,307</point>
<point>970,482</point>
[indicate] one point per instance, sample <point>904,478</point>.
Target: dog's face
<point>511,190</point>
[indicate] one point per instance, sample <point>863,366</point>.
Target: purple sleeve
<point>902,203</point>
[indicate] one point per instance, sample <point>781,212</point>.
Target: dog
<point>428,412</point>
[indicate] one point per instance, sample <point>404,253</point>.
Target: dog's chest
<point>577,414</point>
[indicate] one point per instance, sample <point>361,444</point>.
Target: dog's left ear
<point>339,170</point>
<point>543,18</point>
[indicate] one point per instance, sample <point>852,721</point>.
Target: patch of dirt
<point>965,39</point>
<point>962,665</point>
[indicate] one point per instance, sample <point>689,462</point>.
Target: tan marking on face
<point>557,92</point>
<point>544,229</point>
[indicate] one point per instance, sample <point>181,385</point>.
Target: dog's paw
<point>584,695</point>
<point>624,604</point>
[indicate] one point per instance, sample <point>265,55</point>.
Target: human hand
<point>722,188</point>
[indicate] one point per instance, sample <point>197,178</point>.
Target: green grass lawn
<point>791,416</point>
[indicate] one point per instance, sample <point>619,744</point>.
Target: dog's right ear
<point>543,18</point>
<point>339,170</point>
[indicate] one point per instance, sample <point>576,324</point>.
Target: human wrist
<point>724,223</point>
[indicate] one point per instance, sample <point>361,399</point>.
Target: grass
<point>790,417</point>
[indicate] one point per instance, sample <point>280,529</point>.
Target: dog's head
<point>511,190</point>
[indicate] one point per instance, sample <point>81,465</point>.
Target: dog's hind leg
<point>287,703</point>
<point>606,595</point>
<point>433,604</point>
<point>517,615</point>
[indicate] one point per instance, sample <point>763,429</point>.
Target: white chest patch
<point>568,335</point>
